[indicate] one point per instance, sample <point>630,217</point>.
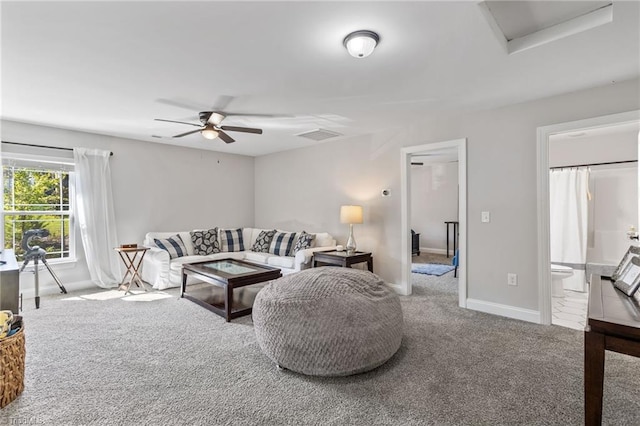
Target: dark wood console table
<point>613,324</point>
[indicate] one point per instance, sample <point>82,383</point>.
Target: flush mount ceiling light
<point>209,132</point>
<point>360,44</point>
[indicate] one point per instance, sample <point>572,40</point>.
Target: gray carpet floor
<point>431,258</point>
<point>105,360</point>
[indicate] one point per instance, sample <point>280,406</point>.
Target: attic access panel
<point>521,25</point>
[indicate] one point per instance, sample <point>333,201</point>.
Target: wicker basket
<point>12,355</point>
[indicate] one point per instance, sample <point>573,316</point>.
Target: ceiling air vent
<point>319,134</point>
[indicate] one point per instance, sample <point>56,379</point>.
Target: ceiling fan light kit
<point>361,44</point>
<point>209,132</point>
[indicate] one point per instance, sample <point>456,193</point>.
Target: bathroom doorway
<point>588,201</point>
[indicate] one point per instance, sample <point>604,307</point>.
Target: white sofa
<point>162,272</point>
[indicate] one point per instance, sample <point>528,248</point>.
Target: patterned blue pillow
<point>263,241</point>
<point>173,245</point>
<point>304,242</point>
<point>231,240</point>
<point>205,242</point>
<point>282,243</point>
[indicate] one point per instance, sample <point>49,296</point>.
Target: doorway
<point>545,136</point>
<point>453,148</point>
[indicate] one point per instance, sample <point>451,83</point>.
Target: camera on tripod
<point>37,254</point>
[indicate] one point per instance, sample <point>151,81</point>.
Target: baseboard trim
<point>433,250</point>
<point>504,310</point>
<point>397,288</point>
<point>48,290</point>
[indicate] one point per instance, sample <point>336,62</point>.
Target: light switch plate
<point>486,217</point>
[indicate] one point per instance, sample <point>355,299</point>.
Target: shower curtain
<point>568,190</point>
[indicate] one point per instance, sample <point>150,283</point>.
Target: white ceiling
<point>112,67</point>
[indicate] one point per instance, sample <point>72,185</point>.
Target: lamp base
<point>351,242</point>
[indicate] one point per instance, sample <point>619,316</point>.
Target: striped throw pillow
<point>173,245</point>
<point>282,243</point>
<point>231,240</point>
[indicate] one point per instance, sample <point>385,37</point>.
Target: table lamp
<point>351,215</point>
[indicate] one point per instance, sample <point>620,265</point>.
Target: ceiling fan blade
<point>180,122</point>
<point>225,137</point>
<point>242,129</point>
<point>242,114</point>
<point>187,133</point>
<point>222,102</point>
<point>182,103</point>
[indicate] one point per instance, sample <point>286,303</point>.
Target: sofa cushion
<point>177,264</point>
<point>281,261</point>
<point>172,245</point>
<point>231,239</point>
<point>251,256</point>
<point>282,243</point>
<point>205,241</point>
<point>304,241</point>
<point>263,241</point>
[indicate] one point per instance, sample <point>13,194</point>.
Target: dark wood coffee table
<point>220,278</point>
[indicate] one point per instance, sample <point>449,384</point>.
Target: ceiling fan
<point>211,127</point>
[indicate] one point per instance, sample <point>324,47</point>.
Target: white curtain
<point>95,215</point>
<point>569,207</point>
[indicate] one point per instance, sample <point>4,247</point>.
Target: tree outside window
<point>37,199</point>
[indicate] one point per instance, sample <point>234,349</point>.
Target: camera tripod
<point>37,254</point>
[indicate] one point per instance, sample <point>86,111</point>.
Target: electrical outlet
<point>512,279</point>
<point>486,217</point>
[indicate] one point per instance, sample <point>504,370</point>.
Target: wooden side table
<point>129,256</point>
<point>342,258</point>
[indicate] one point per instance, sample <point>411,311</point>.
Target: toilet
<point>558,274</point>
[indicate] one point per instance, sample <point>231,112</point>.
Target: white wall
<point>304,189</point>
<point>613,208</point>
<point>621,146</point>
<point>307,186</point>
<point>434,200</point>
<point>156,187</point>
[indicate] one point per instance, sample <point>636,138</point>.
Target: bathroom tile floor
<point>571,310</point>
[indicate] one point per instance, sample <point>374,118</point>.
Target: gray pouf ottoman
<point>328,321</point>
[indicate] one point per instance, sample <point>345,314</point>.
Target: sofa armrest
<point>155,268</point>
<point>304,257</point>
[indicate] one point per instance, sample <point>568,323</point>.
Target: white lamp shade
<point>360,44</point>
<point>351,214</point>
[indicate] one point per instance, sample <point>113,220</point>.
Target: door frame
<point>405,182</point>
<point>544,255</point>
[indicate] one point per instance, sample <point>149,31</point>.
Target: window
<point>37,195</point>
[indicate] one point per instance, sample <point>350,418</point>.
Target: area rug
<point>431,268</point>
